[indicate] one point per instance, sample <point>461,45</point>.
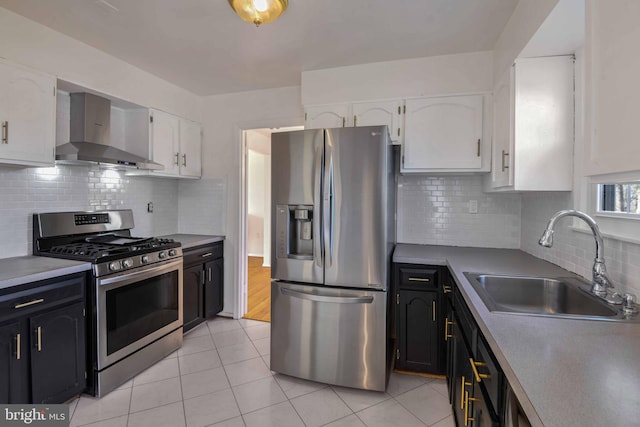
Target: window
<point>619,198</point>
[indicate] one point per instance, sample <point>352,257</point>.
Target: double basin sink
<point>543,296</point>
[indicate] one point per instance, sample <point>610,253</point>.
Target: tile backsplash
<point>435,210</point>
<point>25,191</point>
<point>574,250</point>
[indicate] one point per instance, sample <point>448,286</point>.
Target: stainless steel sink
<point>542,296</point>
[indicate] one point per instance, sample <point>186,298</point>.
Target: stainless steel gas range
<point>134,307</point>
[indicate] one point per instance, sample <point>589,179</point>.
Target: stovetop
<point>105,252</point>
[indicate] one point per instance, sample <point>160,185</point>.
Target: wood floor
<point>259,284</point>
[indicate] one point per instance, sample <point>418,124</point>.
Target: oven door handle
<point>142,273</point>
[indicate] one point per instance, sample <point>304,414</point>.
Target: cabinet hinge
<point>398,354</point>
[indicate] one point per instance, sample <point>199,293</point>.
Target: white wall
<point>217,194</point>
<point>32,44</point>
<point>255,202</point>
<point>436,75</point>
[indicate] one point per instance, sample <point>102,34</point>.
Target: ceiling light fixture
<point>259,11</point>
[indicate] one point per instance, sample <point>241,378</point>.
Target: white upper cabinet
<point>443,134</point>
<point>533,126</point>
<point>191,149</point>
<point>176,144</point>
<point>613,67</point>
<point>327,116</point>
<point>27,116</point>
<point>376,113</point>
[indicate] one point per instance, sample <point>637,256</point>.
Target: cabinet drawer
<point>487,367</point>
<point>35,297</point>
<point>203,254</point>
<point>418,278</point>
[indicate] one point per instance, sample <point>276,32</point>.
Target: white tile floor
<point>220,377</point>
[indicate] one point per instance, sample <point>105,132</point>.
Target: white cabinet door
<point>27,116</point>
<point>190,149</point>
<point>613,38</point>
<point>327,116</point>
<point>380,113</point>
<point>502,169</point>
<point>443,133</point>
<point>165,142</point>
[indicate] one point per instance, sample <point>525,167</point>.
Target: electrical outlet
<point>473,206</point>
<point>150,207</point>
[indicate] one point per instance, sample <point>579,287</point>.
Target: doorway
<point>257,181</point>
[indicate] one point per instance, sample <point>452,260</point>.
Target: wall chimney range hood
<point>89,134</point>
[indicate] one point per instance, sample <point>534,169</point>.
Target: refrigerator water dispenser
<point>294,231</point>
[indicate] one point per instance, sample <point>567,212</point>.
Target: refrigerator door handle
<point>322,298</point>
<point>327,206</point>
<point>318,254</point>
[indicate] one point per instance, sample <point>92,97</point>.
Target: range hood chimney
<point>90,136</point>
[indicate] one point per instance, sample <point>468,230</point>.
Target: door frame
<point>241,287</point>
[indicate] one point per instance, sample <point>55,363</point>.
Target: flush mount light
<point>259,11</point>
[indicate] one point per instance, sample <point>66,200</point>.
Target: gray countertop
<point>564,372</point>
<point>193,240</point>
<point>26,269</point>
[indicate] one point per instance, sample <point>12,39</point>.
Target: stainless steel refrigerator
<point>333,232</point>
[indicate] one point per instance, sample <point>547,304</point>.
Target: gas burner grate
<point>90,250</point>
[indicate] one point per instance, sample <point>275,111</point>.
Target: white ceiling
<point>202,46</point>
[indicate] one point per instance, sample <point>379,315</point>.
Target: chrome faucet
<point>601,285</point>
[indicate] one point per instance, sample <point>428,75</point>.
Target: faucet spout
<point>601,282</point>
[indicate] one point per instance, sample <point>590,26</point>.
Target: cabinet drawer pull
<point>446,289</point>
<point>447,335</point>
<point>464,384</point>
<point>27,304</point>
<point>474,366</point>
<point>504,166</point>
<point>209,273</point>
<point>355,121</point>
<point>208,254</point>
<point>5,132</point>
<point>17,346</point>
<point>478,147</point>
<point>177,159</point>
<point>433,310</point>
<point>467,418</point>
<point>184,160</point>
<point>419,279</point>
<point>39,337</point>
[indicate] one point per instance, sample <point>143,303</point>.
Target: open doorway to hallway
<point>258,221</point>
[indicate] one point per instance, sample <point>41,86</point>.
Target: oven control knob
<point>144,259</point>
<point>162,255</point>
<point>127,263</point>
<point>114,266</point>
<point>172,252</point>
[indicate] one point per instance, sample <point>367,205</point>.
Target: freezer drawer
<point>330,335</point>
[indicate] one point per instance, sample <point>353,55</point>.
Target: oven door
<point>135,308</point>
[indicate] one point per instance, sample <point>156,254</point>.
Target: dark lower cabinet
<point>42,341</point>
<point>57,354</point>
<point>203,283</point>
<point>418,338</point>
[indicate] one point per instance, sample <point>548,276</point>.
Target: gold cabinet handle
<point>474,366</point>
<point>27,304</point>
<point>5,132</point>
<point>208,254</point>
<point>466,408</point>
<point>462,391</point>
<point>209,273</point>
<point>433,308</point>
<point>184,160</point>
<point>504,165</point>
<point>419,279</point>
<point>17,346</point>
<point>446,289</point>
<point>39,338</point>
<point>447,335</point>
<point>177,155</point>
